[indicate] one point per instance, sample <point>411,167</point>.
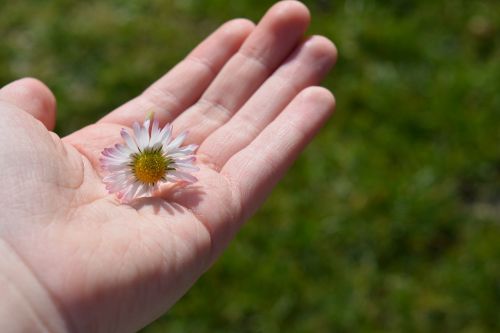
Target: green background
<point>390,221</point>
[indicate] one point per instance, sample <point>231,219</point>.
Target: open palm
<point>74,258</point>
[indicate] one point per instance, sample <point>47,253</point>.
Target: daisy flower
<point>146,159</point>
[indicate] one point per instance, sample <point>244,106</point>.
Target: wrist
<point>25,305</point>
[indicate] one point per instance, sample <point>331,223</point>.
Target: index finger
<point>183,85</point>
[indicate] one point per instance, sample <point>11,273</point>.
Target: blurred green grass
<point>390,222</point>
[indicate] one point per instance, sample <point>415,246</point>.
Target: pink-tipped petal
<point>131,143</point>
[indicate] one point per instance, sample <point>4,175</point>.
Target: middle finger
<point>277,34</point>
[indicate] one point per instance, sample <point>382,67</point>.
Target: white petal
<point>111,152</point>
<point>114,160</point>
<point>165,134</point>
<point>176,142</point>
<point>144,189</point>
<point>184,159</point>
<point>123,149</point>
<point>137,129</point>
<point>155,133</point>
<point>185,166</point>
<point>132,145</point>
<point>187,149</point>
<point>144,136</point>
<point>138,133</point>
<point>118,181</point>
<point>119,185</point>
<point>183,176</point>
<point>146,124</point>
<point>177,153</point>
<point>130,192</point>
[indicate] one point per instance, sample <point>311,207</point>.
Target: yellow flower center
<point>150,166</point>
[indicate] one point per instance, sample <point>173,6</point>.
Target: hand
<point>72,257</point>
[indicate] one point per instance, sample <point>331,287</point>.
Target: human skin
<point>72,257</point>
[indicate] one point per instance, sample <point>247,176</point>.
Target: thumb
<point>32,96</point>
